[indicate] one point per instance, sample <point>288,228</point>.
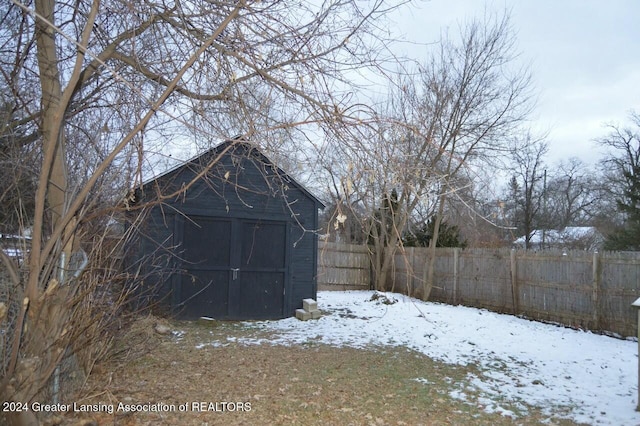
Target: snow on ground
<point>593,377</point>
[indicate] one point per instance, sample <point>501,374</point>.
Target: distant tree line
<point>536,196</point>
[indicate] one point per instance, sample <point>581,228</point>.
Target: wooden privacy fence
<point>343,267</point>
<point>581,289</point>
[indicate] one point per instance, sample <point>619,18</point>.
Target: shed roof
<point>252,149</point>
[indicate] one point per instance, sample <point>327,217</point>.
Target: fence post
<point>515,293</point>
<point>411,280</point>
<point>636,305</point>
<point>595,293</point>
<point>456,254</point>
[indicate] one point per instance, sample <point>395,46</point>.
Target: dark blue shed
<point>239,242</point>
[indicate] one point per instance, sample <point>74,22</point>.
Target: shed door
<point>207,255</point>
<point>261,271</point>
<point>233,269</point>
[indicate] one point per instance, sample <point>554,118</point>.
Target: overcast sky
<point>584,57</point>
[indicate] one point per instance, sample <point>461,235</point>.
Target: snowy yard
<point>592,377</point>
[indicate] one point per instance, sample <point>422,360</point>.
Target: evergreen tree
<point>624,167</point>
<point>17,174</point>
<point>448,236</point>
<point>627,237</point>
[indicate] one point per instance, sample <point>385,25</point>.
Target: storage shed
<point>236,241</point>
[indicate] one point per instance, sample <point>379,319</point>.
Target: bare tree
<point>570,194</point>
<point>95,87</point>
<point>477,212</point>
<point>456,110</point>
<point>526,188</point>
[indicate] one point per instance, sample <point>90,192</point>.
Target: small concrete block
<point>303,315</point>
<point>309,305</point>
<point>316,314</point>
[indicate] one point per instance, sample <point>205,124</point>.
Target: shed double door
<point>233,268</point>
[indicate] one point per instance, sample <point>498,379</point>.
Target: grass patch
<point>303,384</point>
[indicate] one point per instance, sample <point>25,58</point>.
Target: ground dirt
<point>224,382</point>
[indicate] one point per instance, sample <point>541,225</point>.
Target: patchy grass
<point>304,384</point>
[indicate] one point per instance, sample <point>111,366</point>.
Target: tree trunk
<point>428,280</point>
<point>44,309</point>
